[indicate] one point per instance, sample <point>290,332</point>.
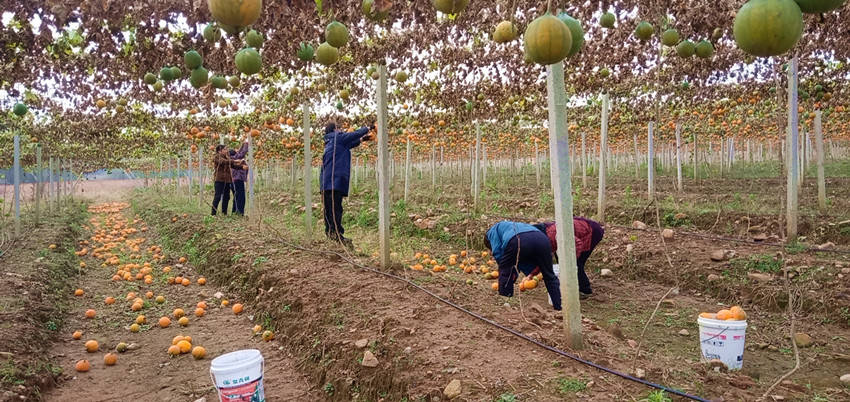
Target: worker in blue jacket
<point>336,172</point>
<point>521,247</point>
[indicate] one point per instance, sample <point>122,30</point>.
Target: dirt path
<point>146,371</point>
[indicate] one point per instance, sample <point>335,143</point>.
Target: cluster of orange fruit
<point>471,264</point>
<point>735,313</point>
<point>529,282</point>
<point>111,241</point>
<point>183,344</point>
<point>467,264</point>
<point>267,335</point>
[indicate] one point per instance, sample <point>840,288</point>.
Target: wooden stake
<point>433,167</point>
<point>562,187</point>
<point>679,156</point>
<point>583,161</point>
<point>792,134</point>
<point>637,157</point>
<point>308,170</point>
<point>51,190</point>
<point>407,170</point>
<point>16,176</point>
<point>190,171</point>
<point>650,162</point>
<point>537,163</point>
<point>200,177</point>
<point>696,159</point>
<point>819,150</point>
<point>39,178</point>
<point>252,170</point>
<point>476,166</point>
<point>383,170</point>
<point>603,148</point>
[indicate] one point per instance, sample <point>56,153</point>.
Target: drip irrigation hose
<point>493,323</point>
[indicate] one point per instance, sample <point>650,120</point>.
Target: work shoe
<point>582,295</point>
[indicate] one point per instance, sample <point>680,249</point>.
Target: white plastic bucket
<point>558,274</point>
<point>723,340</point>
<point>238,376</point>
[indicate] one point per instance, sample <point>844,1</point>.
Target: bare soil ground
<point>327,313</point>
<point>34,283</point>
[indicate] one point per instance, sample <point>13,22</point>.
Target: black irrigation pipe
<point>497,325</point>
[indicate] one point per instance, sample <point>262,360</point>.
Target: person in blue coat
<point>520,247</point>
<point>336,172</point>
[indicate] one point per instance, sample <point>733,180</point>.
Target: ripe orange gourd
<point>184,346</point>
<point>495,285</point>
<point>77,335</point>
<point>199,312</point>
<point>110,359</point>
<point>82,366</point>
<point>90,313</point>
<point>185,282</point>
<point>109,300</point>
<point>237,308</point>
<point>268,335</point>
<point>141,319</point>
<point>174,350</point>
<point>202,304</point>
<point>184,321</point>
<point>202,281</point>
<point>92,346</point>
<point>735,313</point>
<point>198,352</point>
<point>178,312</point>
<point>738,313</point>
<point>79,292</point>
<point>164,322</point>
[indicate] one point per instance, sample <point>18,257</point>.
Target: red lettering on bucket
<point>249,392</point>
<point>721,336</point>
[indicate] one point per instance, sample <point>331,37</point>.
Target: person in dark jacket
<point>335,175</point>
<point>588,234</point>
<point>223,178</point>
<point>521,247</point>
<point>240,176</point>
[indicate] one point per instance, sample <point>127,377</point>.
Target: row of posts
<point>51,186</point>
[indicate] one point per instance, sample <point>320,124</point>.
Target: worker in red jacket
<point>588,234</point>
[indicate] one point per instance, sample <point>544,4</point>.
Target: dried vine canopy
<point>94,73</point>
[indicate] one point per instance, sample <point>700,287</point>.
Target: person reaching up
<point>336,174</point>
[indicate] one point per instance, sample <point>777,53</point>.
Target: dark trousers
<point>332,201</point>
<point>581,259</point>
<point>530,249</point>
<point>239,197</point>
<point>222,193</point>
